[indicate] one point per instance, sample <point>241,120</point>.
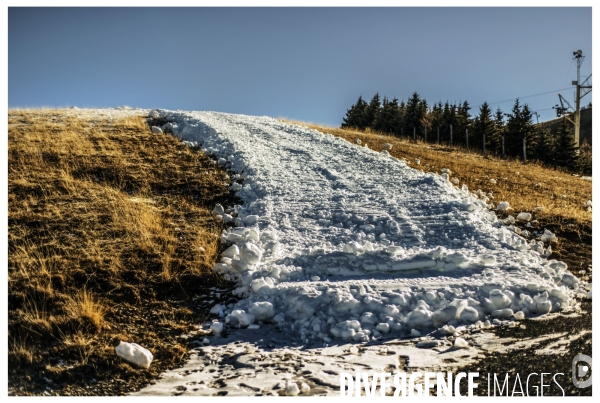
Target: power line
<point>528,96</point>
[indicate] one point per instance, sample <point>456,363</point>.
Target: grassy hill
<point>110,237</point>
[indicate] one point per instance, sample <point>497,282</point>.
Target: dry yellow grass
<point>84,306</point>
<point>109,229</point>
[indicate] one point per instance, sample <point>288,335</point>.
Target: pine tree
<point>463,123</point>
<point>585,158</point>
<point>484,127</point>
<point>519,126</point>
<point>565,151</point>
<point>415,110</point>
<point>388,119</point>
<point>436,120</point>
<point>372,111</point>
<point>355,115</point>
<point>543,146</point>
<point>500,135</point>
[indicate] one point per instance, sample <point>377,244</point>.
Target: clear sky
<point>309,64</point>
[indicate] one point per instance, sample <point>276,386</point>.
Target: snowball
<point>385,328</point>
<point>262,310</point>
<point>524,216</point>
<point>519,315</point>
<point>570,280</point>
<point>156,130</point>
<point>548,236</point>
<point>242,318</point>
<point>387,146</point>
<point>134,353</point>
<point>419,317</point>
<point>369,318</point>
<point>544,307</point>
<point>461,343</point>
<point>231,252</point>
<point>455,181</point>
<point>216,327</point>
<point>444,315</point>
<point>305,388</point>
<point>493,181</point>
<point>217,310</point>
<point>358,141</point>
<point>250,253</point>
<point>503,206</point>
<point>218,210</point>
<point>469,315</point>
<point>292,389</point>
<point>499,299</point>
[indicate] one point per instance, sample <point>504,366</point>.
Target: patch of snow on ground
<point>339,241</point>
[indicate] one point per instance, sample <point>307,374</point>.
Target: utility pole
<point>585,85</point>
<point>537,117</point>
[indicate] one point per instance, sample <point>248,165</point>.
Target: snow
<point>134,353</point>
<point>461,343</point>
<point>523,216</point>
<point>334,240</point>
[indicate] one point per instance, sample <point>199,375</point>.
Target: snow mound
<point>134,353</point>
<point>338,241</point>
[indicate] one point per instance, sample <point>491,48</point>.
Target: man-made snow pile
<point>334,240</point>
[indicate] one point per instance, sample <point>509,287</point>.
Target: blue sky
<point>308,64</point>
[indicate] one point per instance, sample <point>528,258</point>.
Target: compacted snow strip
<point>334,240</point>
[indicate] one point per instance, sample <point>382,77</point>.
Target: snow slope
<point>335,240</point>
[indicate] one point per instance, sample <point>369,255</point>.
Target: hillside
<point>312,253</point>
<point>585,131</point>
<point>110,237</point>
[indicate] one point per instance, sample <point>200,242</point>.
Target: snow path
<point>337,244</point>
<point>336,240</point>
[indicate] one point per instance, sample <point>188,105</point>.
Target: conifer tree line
<point>491,132</point>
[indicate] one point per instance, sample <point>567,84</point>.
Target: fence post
<point>467,134</point>
<point>438,131</point>
<point>426,133</point>
<point>450,135</point>
<point>414,134</point>
<point>503,145</point>
<point>483,143</point>
<point>524,150</point>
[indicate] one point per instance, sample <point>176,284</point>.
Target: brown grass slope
<point>110,236</point>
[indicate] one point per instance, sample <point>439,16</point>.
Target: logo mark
<point>581,371</point>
